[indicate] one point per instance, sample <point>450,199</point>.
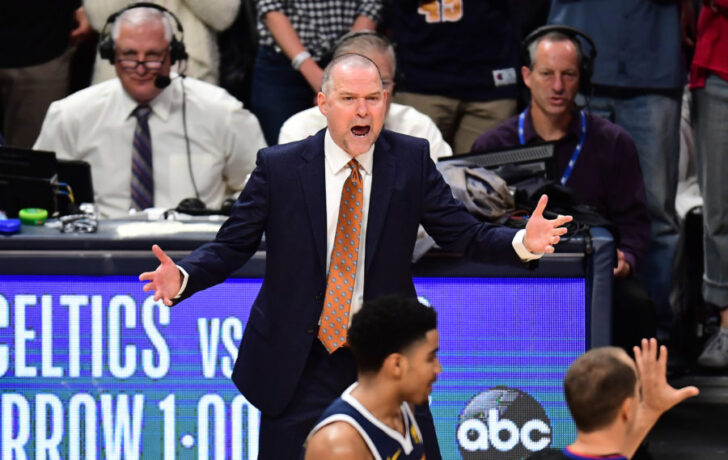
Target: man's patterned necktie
<point>342,267</point>
<point>142,178</point>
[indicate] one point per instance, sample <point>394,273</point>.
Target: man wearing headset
<point>594,157</point>
<point>153,138</point>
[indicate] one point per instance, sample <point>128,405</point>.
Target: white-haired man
<point>153,139</point>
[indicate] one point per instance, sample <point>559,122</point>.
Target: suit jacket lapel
<point>313,186</point>
<point>383,175</point>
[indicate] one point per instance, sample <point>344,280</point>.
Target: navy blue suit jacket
<point>285,199</point>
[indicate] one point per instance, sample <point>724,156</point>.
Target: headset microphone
<point>162,81</point>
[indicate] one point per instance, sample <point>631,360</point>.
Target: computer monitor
<point>513,163</point>
<point>77,174</point>
<point>27,180</point>
<point>18,162</point>
<point>36,179</point>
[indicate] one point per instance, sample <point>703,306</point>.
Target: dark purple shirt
<point>607,174</point>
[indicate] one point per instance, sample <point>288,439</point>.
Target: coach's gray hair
<point>142,15</point>
<point>351,60</point>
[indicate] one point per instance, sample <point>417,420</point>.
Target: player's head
<point>600,387</point>
<point>397,336</point>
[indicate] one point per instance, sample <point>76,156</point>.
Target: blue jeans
<point>653,121</point>
<point>710,112</point>
<point>277,92</point>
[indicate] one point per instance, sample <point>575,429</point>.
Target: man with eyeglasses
<point>153,138</point>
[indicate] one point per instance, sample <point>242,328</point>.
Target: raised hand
<point>165,281</point>
<point>82,30</point>
<point>658,396</point>
<point>623,267</point>
<point>541,233</point>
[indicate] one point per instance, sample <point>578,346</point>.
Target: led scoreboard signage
<point>93,368</point>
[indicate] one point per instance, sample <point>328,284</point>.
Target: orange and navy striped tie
<point>342,267</point>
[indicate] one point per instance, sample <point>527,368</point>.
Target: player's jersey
<point>384,442</point>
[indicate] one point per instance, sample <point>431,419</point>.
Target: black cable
<point>187,138</point>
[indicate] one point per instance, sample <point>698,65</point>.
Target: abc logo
<point>502,424</point>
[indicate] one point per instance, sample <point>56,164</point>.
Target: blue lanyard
<point>577,150</point>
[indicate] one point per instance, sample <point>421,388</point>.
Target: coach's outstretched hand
<point>165,281</point>
<point>543,234</point>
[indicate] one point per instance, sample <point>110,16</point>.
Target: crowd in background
<point>458,62</point>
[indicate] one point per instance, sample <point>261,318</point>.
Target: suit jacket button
<point>310,330</point>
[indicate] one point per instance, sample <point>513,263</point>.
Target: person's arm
<point>657,395</point>
<point>363,23</point>
<point>336,441</point>
<point>626,202</point>
<point>719,6</point>
<point>82,30</point>
<point>287,38</point>
<point>369,13</point>
<point>210,264</point>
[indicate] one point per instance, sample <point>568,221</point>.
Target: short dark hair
<point>554,37</point>
<point>596,385</point>
<point>385,326</point>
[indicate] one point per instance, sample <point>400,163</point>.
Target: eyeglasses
<point>149,65</point>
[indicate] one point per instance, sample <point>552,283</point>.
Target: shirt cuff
<point>520,248</point>
<point>185,277</point>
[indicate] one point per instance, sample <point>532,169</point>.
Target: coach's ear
<point>321,100</point>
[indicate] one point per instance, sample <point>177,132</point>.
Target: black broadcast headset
<point>586,69</point>
<point>177,51</point>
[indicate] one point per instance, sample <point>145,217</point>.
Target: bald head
<point>347,62</point>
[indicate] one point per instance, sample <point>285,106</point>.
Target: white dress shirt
<point>97,125</point>
<point>335,174</point>
<point>400,118</point>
